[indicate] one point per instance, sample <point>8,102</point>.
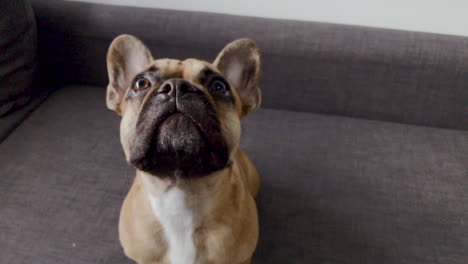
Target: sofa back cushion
<point>399,76</point>
<point>17,54</point>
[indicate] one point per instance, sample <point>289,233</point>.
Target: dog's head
<point>181,118</point>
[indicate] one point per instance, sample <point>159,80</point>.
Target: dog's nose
<point>176,87</point>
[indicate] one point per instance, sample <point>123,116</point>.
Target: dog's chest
<point>176,220</point>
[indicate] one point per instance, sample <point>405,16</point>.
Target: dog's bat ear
<point>127,56</point>
<point>239,61</point>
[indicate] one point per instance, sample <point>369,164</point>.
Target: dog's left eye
<point>141,84</point>
<point>218,86</point>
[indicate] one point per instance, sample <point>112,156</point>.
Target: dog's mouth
<point>178,132</point>
<point>183,140</point>
<point>177,121</point>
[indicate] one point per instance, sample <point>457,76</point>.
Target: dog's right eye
<point>141,84</point>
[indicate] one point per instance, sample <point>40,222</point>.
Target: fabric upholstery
<point>59,188</point>
<point>17,54</point>
<point>399,76</point>
<point>9,122</point>
<point>334,189</point>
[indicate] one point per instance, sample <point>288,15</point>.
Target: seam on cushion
<point>31,64</point>
<point>29,13</point>
<point>360,118</point>
<point>12,41</point>
<point>26,115</point>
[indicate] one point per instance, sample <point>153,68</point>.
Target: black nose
<point>176,87</point>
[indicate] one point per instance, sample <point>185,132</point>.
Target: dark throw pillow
<point>17,54</point>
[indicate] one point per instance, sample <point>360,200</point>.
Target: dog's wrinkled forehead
<point>187,69</point>
<point>190,69</point>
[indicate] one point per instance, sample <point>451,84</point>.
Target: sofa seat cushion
<point>334,189</point>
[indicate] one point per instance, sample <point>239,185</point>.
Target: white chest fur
<point>177,221</point>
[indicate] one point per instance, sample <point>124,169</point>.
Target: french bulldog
<point>192,199</point>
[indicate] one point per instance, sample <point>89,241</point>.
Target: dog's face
<point>181,118</point>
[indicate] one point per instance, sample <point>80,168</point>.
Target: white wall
<point>439,16</point>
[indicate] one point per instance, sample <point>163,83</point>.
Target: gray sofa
<point>361,140</point>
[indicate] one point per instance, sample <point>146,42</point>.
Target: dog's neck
<point>183,205</point>
<point>199,186</point>
<point>201,195</point>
